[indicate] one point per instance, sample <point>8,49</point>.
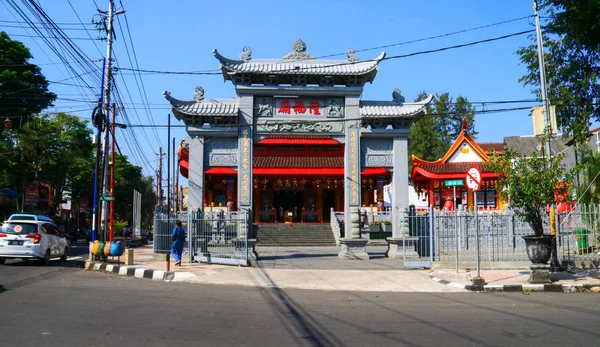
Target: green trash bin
<point>582,242</point>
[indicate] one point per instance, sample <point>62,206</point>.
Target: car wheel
<point>2,260</point>
<point>65,254</point>
<point>46,259</point>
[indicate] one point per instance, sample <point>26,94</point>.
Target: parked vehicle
<point>32,239</point>
<point>26,216</point>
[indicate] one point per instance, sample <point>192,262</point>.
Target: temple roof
<point>392,108</point>
<point>200,107</point>
<point>463,153</point>
<point>298,68</point>
<point>298,162</point>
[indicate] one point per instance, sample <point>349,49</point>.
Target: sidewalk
<point>319,268</point>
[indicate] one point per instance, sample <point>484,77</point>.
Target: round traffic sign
<point>473,179</point>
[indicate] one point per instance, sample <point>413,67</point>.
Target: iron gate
<point>418,246</point>
<point>218,236</point>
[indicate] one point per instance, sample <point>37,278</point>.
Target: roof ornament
<point>397,96</point>
<point>299,51</point>
<point>351,54</point>
<point>464,125</point>
<point>246,54</point>
<point>198,95</point>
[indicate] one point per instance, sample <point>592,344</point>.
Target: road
<point>17,270</point>
<point>67,306</point>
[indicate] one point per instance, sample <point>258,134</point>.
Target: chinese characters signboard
<point>245,169</point>
<point>305,106</point>
<point>354,175</point>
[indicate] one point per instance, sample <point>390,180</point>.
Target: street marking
<point>73,258</point>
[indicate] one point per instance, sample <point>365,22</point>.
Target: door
<point>51,235</point>
<point>328,204</point>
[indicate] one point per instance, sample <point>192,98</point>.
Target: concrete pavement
<point>319,268</point>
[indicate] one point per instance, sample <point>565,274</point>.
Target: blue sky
<point>180,36</point>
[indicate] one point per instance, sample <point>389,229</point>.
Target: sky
<point>180,36</point>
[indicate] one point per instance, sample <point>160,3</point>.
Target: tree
<point>23,88</point>
<point>52,150</point>
<point>589,187</point>
<point>531,183</point>
<point>432,135</point>
<point>572,63</point>
<point>127,179</point>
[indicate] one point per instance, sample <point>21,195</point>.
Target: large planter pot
<point>539,248</point>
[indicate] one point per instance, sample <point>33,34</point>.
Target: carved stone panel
<point>378,160</point>
<point>377,152</point>
<point>223,159</point>
<point>220,151</point>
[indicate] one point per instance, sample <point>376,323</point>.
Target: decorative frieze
<point>300,126</point>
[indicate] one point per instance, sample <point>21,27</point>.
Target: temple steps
<point>284,235</point>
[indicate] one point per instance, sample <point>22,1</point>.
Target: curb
<point>137,272</point>
<point>488,288</point>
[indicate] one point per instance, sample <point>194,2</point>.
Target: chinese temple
<point>297,141</point>
<point>442,182</point>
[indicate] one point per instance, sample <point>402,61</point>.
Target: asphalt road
<point>17,270</point>
<point>67,306</point>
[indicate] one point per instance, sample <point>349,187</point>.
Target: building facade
<point>298,140</point>
<point>442,182</point>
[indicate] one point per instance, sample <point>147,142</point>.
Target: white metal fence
<point>212,237</point>
<point>454,236</point>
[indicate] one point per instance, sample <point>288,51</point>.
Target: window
<point>18,228</point>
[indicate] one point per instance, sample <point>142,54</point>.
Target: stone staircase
<point>285,235</point>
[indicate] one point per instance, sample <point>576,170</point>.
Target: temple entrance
<point>286,202</point>
<point>328,204</point>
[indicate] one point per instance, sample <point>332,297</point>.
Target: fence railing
<point>578,239</point>
<point>163,227</point>
<point>455,236</point>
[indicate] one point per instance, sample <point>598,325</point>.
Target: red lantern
<point>7,123</point>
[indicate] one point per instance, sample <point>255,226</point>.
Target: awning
<point>297,171</point>
<point>218,170</point>
<point>374,171</point>
<point>298,140</point>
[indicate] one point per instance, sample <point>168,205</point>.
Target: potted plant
<point>375,226</point>
<point>530,183</point>
<point>386,225</point>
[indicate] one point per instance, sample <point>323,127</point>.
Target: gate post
<point>401,244</point>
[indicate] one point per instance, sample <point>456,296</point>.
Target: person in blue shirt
<point>177,239</point>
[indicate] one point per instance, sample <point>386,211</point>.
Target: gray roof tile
<point>391,108</point>
<point>299,67</point>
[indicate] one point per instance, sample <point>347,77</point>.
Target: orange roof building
<point>442,182</point>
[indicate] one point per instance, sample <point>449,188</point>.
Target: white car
<point>31,239</point>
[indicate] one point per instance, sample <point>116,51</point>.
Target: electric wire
<point>142,90</point>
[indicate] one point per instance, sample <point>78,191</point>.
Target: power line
<point>313,66</point>
<point>24,22</point>
<point>429,38</point>
<point>37,36</point>
<point>18,26</point>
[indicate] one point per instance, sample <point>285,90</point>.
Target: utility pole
<point>554,263</point>
<point>107,82</point>
<point>544,94</point>
<point>176,173</point>
<point>159,178</point>
<point>112,173</point>
<point>174,191</point>
<point>169,165</point>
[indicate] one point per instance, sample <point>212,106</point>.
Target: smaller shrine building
<point>442,182</point>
